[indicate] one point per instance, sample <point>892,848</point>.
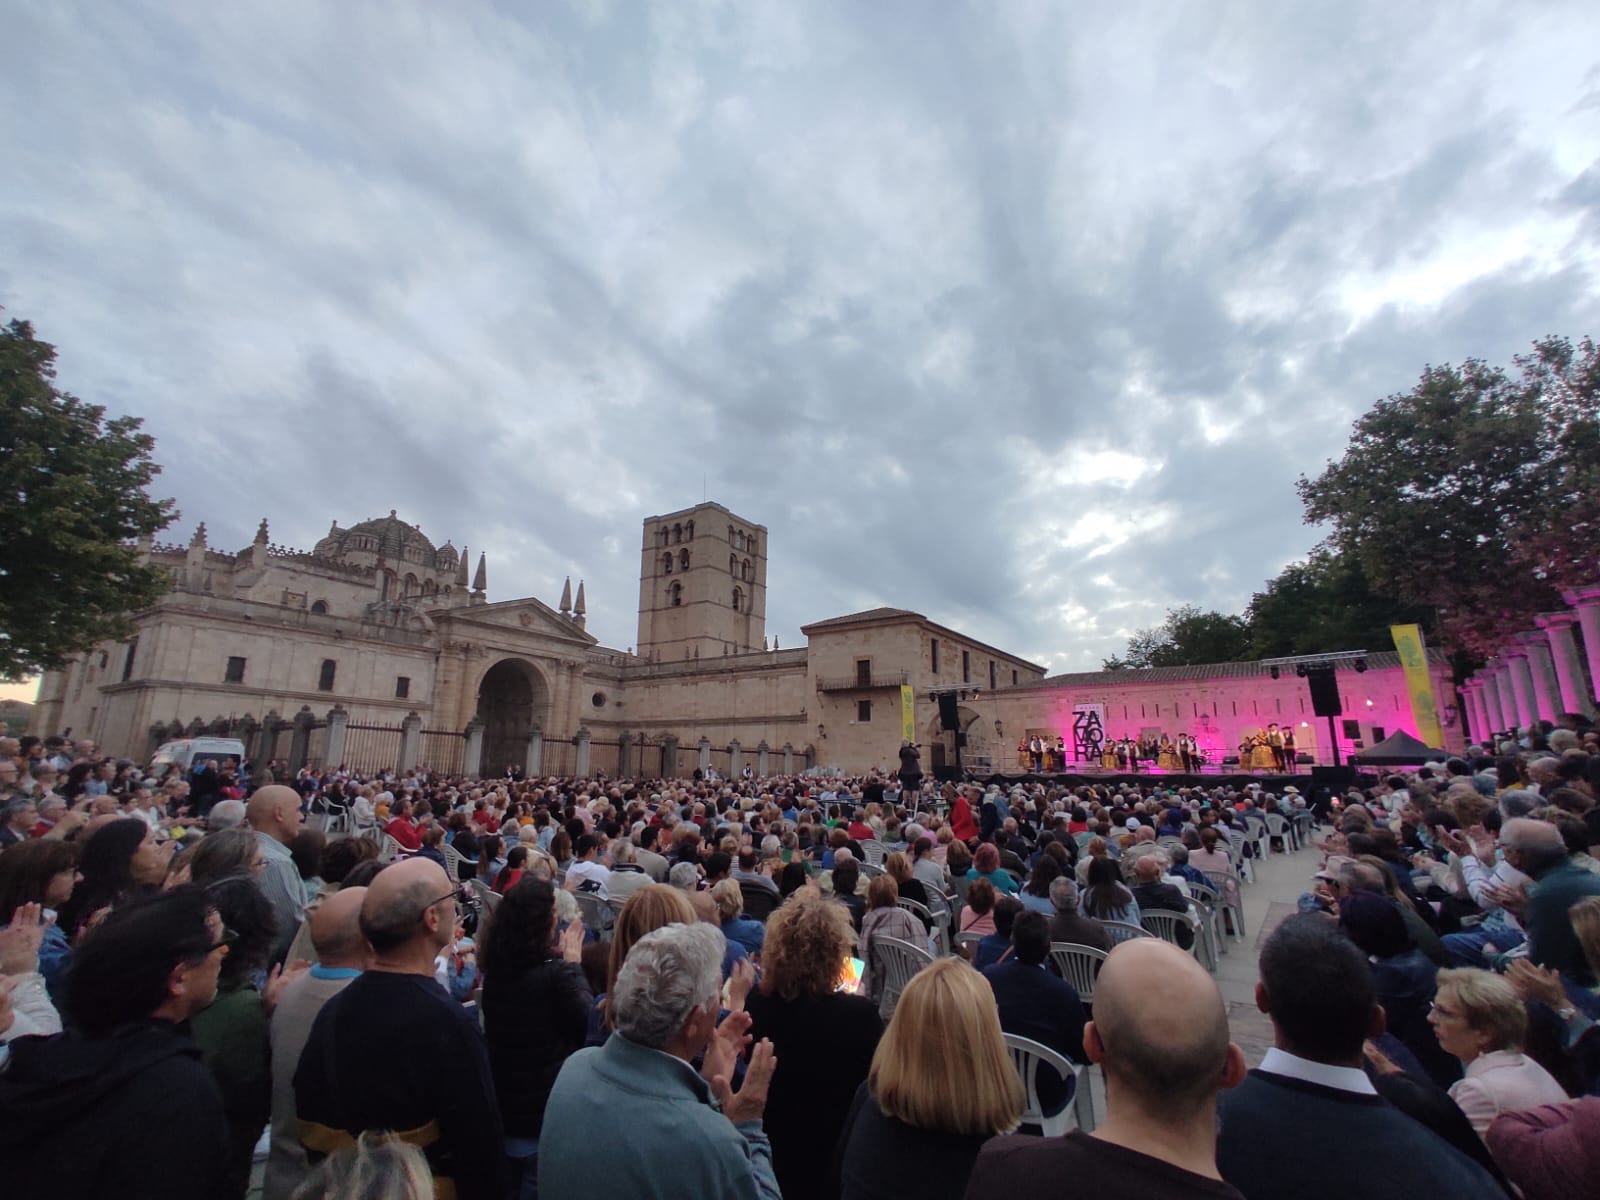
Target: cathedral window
<point>320,607</point>
<point>235,671</point>
<point>683,560</point>
<point>738,600</point>
<point>676,594</point>
<point>661,536</point>
<point>325,677</point>
<point>744,570</point>
<point>733,565</point>
<point>677,534</point>
<point>666,563</point>
<point>688,531</point>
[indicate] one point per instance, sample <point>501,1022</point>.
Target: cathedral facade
<point>378,649</point>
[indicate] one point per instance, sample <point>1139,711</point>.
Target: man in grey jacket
<point>689,1134</point>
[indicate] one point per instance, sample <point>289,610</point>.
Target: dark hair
<point>846,876</point>
<point>1105,894</point>
<point>105,861</point>
<point>1030,935</point>
<point>465,844</point>
<point>341,857</point>
<point>1373,923</point>
<point>489,850</point>
<point>362,874</point>
<point>718,863</point>
<point>27,868</point>
<point>1044,874</point>
<point>1006,911</point>
<point>585,844</point>
<point>792,878</point>
<point>1319,987</point>
<point>516,860</point>
<point>560,846</point>
<point>120,970</point>
<point>306,853</point>
<point>245,909</point>
<point>520,931</point>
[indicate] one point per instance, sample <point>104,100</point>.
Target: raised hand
<point>750,1101</point>
<point>740,981</point>
<point>20,940</point>
<point>572,942</point>
<point>1537,983</point>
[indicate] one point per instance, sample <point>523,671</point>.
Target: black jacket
<point>134,1114</point>
<point>533,1021</point>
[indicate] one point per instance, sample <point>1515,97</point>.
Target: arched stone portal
<point>512,702</point>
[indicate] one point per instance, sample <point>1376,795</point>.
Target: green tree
<point>1464,494</point>
<point>1322,605</point>
<point>73,500</point>
<point>1188,637</point>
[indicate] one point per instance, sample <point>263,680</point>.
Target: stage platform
<point>1170,780</point>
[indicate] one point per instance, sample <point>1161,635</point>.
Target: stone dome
<point>389,537</point>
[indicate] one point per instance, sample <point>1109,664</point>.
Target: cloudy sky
<point>1023,315</point>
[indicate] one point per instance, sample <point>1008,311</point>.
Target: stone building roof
<point>1377,661</point>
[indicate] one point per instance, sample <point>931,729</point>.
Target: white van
<point>185,751</point>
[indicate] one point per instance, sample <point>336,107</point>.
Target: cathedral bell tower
<point>702,585</point>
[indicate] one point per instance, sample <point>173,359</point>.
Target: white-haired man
<point>689,1133</point>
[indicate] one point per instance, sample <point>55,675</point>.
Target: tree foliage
<point>1188,637</point>
<point>1475,493</point>
<point>1324,604</point>
<point>73,500</point>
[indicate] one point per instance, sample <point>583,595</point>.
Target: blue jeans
<point>522,1168</point>
<point>1467,946</point>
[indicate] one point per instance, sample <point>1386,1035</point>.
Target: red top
<point>961,823</point>
<point>861,831</point>
<point>487,819</point>
<point>404,832</point>
<point>508,879</point>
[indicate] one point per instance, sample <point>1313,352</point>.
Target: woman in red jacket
<point>962,824</point>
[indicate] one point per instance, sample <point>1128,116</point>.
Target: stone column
<point>1557,628</point>
<point>410,742</point>
<point>1491,700</point>
<point>300,740</point>
<point>1587,601</point>
<point>788,759</point>
<point>1521,685</point>
<point>338,719</point>
<point>1546,691</point>
<point>533,764</point>
<point>735,755</point>
<point>582,741</point>
<point>762,751</point>
<point>472,756</point>
<point>625,755</point>
<point>705,755</point>
<point>1482,722</point>
<point>1468,693</point>
<point>669,757</point>
<point>1508,693</point>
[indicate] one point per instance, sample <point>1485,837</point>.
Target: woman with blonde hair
<point>652,907</point>
<point>825,1036</point>
<point>941,1084</point>
<point>1478,1017</point>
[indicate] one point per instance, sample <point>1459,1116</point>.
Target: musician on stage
<point>1290,761</point>
<point>1275,744</point>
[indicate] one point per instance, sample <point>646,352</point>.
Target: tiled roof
<point>1377,661</point>
<point>871,614</point>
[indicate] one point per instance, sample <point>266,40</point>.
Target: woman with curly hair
<point>824,1037</point>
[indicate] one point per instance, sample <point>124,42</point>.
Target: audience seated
<point>1037,1005</point>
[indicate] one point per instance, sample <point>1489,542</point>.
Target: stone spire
<point>480,581</point>
<point>261,533</point>
<point>461,567</point>
<point>198,541</point>
<point>566,597</point>
<point>580,609</point>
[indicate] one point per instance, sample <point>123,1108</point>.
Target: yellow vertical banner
<point>908,713</point>
<point>1419,683</point>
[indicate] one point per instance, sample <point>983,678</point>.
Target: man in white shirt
<point>587,873</point>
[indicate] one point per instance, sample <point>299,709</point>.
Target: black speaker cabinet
<point>949,716</point>
<point>1324,683</point>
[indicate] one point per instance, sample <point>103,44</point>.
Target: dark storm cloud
<point>1025,316</point>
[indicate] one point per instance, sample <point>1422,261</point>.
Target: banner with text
<point>908,713</point>
<point>1419,683</point>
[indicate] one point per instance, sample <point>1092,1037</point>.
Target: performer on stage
<point>910,773</point>
<point>1036,753</point>
<point>1260,752</point>
<point>1111,754</point>
<point>1275,744</point>
<point>1289,753</point>
<point>1167,757</point>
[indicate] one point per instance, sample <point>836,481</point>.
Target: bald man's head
<point>1160,1030</point>
<point>1146,869</point>
<point>275,811</point>
<point>406,902</point>
<point>336,929</point>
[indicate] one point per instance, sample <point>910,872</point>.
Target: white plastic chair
<point>875,851</point>
<point>594,912</point>
<point>925,914</point>
<point>1124,931</point>
<point>1279,830</point>
<point>899,960</point>
<point>487,896</point>
<point>452,861</point>
<point>1168,925</point>
<point>1028,1056</point>
<point>1235,908</point>
<point>1078,966</point>
<point>392,850</point>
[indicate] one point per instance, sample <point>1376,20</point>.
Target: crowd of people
<point>415,984</point>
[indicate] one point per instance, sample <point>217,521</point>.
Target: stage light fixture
<point>1361,666</point>
<point>1273,672</point>
<point>1301,670</point>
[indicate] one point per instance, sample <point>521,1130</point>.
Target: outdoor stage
<point>1211,777</point>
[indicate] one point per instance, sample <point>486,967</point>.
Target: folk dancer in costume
<point>1061,754</point>
<point>1260,753</point>
<point>1022,753</point>
<point>1110,754</point>
<point>1036,753</point>
<point>1275,744</point>
<point>1167,757</point>
<point>1290,762</point>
